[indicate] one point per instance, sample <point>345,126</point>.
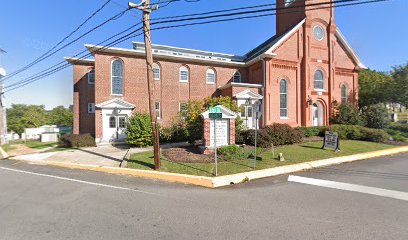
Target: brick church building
<point>295,75</point>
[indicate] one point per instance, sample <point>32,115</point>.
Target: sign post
<point>331,140</point>
<point>215,113</point>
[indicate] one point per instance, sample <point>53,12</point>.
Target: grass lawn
<point>8,147</point>
<point>39,145</point>
<point>293,154</point>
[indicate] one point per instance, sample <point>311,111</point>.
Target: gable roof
<point>349,49</point>
<point>248,94</point>
<point>226,113</point>
<point>272,43</point>
<point>116,103</point>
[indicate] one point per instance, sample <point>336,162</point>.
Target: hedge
<point>76,141</point>
<point>276,134</point>
<point>355,132</point>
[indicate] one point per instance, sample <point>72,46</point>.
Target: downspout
<point>264,92</point>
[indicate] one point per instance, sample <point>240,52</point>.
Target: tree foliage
<point>400,88</point>
<point>61,116</point>
<point>374,87</point>
<point>139,130</point>
<point>346,113</point>
<point>21,116</point>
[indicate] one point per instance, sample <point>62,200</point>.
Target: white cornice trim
<point>343,40</point>
<point>72,60</point>
<point>235,84</point>
<point>286,37</point>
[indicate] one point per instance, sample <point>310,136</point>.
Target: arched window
<point>156,71</point>
<point>91,76</point>
<point>117,77</point>
<point>211,77</point>
<point>319,80</point>
<point>237,77</point>
<point>344,93</point>
<point>283,85</point>
<point>183,74</point>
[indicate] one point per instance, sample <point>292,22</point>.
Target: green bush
<point>175,132</point>
<point>350,132</point>
<point>354,132</point>
<point>399,127</point>
<point>376,116</point>
<point>139,130</point>
<point>310,131</point>
<point>76,141</point>
<point>233,152</point>
<point>346,114</point>
<point>374,135</point>
<point>276,134</point>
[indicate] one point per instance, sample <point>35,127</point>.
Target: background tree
<point>21,116</point>
<point>61,116</point>
<point>375,87</point>
<point>400,87</point>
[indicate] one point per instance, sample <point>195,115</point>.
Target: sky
<point>378,32</point>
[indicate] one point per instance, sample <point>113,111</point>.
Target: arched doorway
<point>318,114</point>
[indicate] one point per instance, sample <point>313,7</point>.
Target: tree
<point>21,116</point>
<point>400,88</point>
<point>61,116</point>
<point>376,116</point>
<point>346,113</point>
<point>374,87</point>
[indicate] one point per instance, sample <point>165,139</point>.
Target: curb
<point>215,182</point>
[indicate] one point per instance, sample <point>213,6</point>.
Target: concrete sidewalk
<point>101,156</point>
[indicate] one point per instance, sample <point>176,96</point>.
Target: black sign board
<point>331,140</point>
<point>215,115</point>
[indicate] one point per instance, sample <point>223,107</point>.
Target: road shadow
<point>101,155</point>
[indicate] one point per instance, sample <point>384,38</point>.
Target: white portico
<point>115,114</point>
<point>246,101</point>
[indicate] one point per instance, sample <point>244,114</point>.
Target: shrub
<point>310,131</point>
<point>346,114</point>
<point>76,141</point>
<point>376,116</point>
<point>233,152</point>
<point>277,134</point>
<point>354,132</point>
<point>350,132</point>
<point>175,132</point>
<point>374,135</point>
<point>139,130</point>
<point>400,127</point>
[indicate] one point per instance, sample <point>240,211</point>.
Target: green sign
<point>215,113</point>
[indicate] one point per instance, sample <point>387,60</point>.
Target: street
<point>43,202</point>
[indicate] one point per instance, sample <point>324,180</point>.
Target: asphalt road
<point>42,202</point>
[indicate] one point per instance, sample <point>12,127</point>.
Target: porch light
<point>309,100</point>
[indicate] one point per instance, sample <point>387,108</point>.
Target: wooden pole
<point>150,80</point>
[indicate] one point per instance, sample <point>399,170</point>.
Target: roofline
<point>74,61</point>
<point>190,50</point>
<point>287,35</point>
<point>343,40</point>
<point>236,84</point>
<point>132,52</point>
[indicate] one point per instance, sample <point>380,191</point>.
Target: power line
<point>213,21</point>
<point>50,53</point>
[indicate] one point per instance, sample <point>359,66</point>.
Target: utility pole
<point>145,7</point>
<point>3,119</point>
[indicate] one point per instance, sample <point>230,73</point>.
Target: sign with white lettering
<point>331,140</point>
<point>222,131</point>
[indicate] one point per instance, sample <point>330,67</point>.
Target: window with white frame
<point>112,122</point>
<point>117,77</point>
<point>319,80</point>
<point>211,77</point>
<point>283,85</point>
<point>343,93</point>
<point>122,121</point>
<point>91,107</point>
<point>158,110</point>
<point>237,77</point>
<point>156,71</point>
<point>183,74</point>
<point>183,109</point>
<point>91,76</point>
